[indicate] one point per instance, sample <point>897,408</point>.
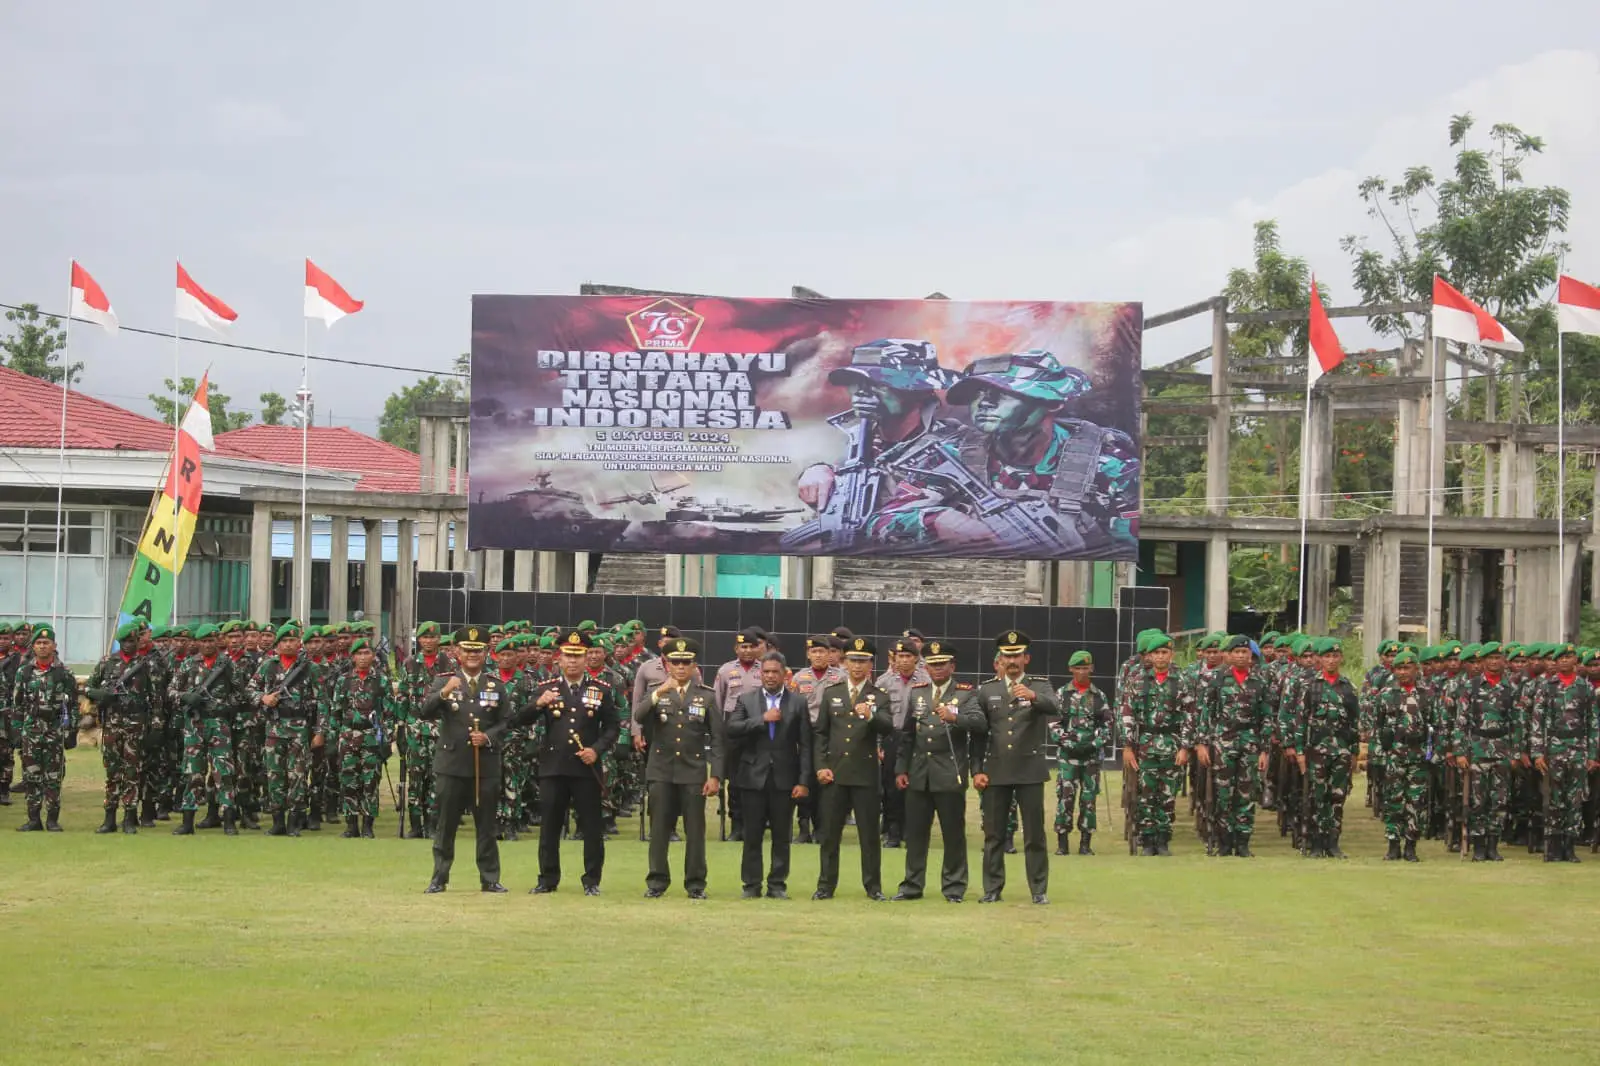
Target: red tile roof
<point>30,417</point>
<point>381,467</point>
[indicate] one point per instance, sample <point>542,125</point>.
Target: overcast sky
<point>421,153</point>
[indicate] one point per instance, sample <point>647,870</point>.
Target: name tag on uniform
<point>835,701</point>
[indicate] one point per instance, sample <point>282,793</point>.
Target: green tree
<point>273,408</point>
<point>222,420</point>
<point>35,344</point>
<point>400,424</point>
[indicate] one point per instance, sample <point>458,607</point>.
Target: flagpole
<point>1561,482</point>
<point>1435,402</point>
<point>1305,485</point>
<point>61,461</point>
<point>304,606</point>
<point>177,421</point>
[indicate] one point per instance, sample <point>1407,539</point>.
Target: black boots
<point>1011,844</point>
<point>1494,849</point>
<point>1394,851</point>
<point>1161,846</point>
<point>1480,850</point>
<point>130,821</point>
<point>1334,851</point>
<point>1224,845</point>
<point>147,815</point>
<point>366,827</point>
<point>296,820</point>
<point>1083,844</point>
<point>415,830</point>
<point>1241,848</point>
<point>351,831</point>
<point>1061,843</point>
<point>1553,851</point>
<point>229,829</point>
<point>52,819</point>
<point>32,825</point>
<point>804,836</point>
<point>211,820</point>
<point>110,824</point>
<point>1411,852</point>
<point>247,818</point>
<point>311,822</point>
<point>186,827</point>
<point>277,829</point>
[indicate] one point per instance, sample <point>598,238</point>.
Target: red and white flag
<point>197,419</point>
<point>197,305</point>
<point>1577,307</point>
<point>326,299</point>
<point>1326,352</point>
<point>89,302</point>
<point>1456,318</point>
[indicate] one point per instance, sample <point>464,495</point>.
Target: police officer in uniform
<point>681,722</point>
<point>473,712</point>
<point>1018,708</point>
<point>580,719</point>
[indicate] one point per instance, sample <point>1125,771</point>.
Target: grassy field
<point>324,950</point>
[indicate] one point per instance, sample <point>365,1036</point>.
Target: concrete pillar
<point>580,571</point>
<point>459,460</point>
<point>522,571</point>
<point>339,570</point>
<point>1436,479</point>
<point>300,579</point>
<point>694,576</point>
<point>673,565</point>
<point>1525,472</point>
<point>1035,577</point>
<point>1380,605</point>
<point>1594,541</point>
<point>1319,487</point>
<point>1217,582</point>
<point>427,527</point>
<point>787,575</point>
<point>261,563</point>
<point>372,571</point>
<point>822,578</point>
<point>405,580</point>
<point>445,560</point>
<point>1072,583</point>
<point>550,572</point>
<point>494,570</point>
<point>441,455</point>
<point>1218,437</point>
<point>425,444</point>
<point>1404,445</point>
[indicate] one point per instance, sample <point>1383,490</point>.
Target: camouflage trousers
<point>514,758</point>
<point>1159,780</point>
<point>1328,774</point>
<point>322,778</point>
<point>44,763</point>
<point>249,737</point>
<point>1491,787</point>
<point>208,750</point>
<point>159,772</point>
<point>121,750</point>
<point>611,795</point>
<point>1404,798</point>
<point>1077,785</point>
<point>629,782</point>
<point>1235,771</point>
<point>8,755</point>
<point>420,802</point>
<point>360,766</point>
<point>288,759</point>
<point>1568,782</point>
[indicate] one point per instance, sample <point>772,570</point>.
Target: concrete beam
<point>404,615</point>
<point>354,504</point>
<point>372,571</point>
<point>1166,318</point>
<point>1575,438</point>
<point>1261,318</point>
<point>261,563</point>
<point>1221,428</point>
<point>1217,582</point>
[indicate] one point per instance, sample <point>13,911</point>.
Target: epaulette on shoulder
<point>963,686</point>
<point>599,681</point>
<point>922,684</point>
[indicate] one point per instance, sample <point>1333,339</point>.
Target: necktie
<point>772,705</point>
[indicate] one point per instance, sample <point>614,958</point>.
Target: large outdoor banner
<point>805,427</point>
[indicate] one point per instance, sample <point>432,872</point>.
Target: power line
<point>167,334</point>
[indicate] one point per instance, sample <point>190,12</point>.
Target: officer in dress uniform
<point>473,713</point>
<point>579,713</point>
<point>681,722</point>
<point>852,715</point>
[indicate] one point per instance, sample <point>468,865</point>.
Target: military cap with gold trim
<point>903,645</point>
<point>472,638</point>
<point>576,642</point>
<point>682,650</point>
<point>937,651</point>
<point>1012,642</point>
<point>751,635</point>
<point>860,648</point>
<point>668,631</point>
<point>821,640</point>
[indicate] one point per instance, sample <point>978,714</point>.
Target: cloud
<point>238,121</point>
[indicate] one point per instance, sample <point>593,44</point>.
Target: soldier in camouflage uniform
<point>509,662</point>
<point>125,696</point>
<point>203,694</point>
<point>1157,735</point>
<point>286,688</point>
<point>1487,735</point>
<point>362,717</point>
<point>1322,738</point>
<point>1083,729</point>
<point>1232,731</point>
<point>1565,744</point>
<point>598,664</point>
<point>44,712</point>
<point>249,728</point>
<point>159,770</point>
<point>419,735</point>
<point>1375,680</point>
<point>1403,721</point>
<point>10,657</point>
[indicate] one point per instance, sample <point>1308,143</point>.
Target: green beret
<point>230,626</point>
<point>446,639</point>
<point>587,626</point>
<point>359,643</point>
<point>125,630</point>
<point>6,627</point>
<point>291,628</point>
<point>1428,654</point>
<point>1141,643</point>
<point>1512,650</point>
<point>1157,640</point>
<point>1488,648</point>
<point>1300,644</point>
<point>181,631</point>
<point>44,630</point>
<point>1406,657</point>
<point>547,641</point>
<point>1564,649</point>
<point>633,625</point>
<point>1238,640</point>
<point>1587,655</point>
<point>1081,658</point>
<point>1387,646</point>
<point>205,631</point>
<point>505,644</point>
<point>428,629</point>
<point>1268,637</point>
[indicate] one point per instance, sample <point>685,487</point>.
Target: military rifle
<point>857,486</point>
<point>1466,805</point>
<point>288,680</point>
<point>203,690</point>
<point>1015,525</point>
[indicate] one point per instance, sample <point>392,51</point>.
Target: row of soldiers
<point>1454,729</point>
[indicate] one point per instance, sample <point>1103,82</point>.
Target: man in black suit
<point>473,709</point>
<point>852,715</point>
<point>580,724</point>
<point>770,730</point>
